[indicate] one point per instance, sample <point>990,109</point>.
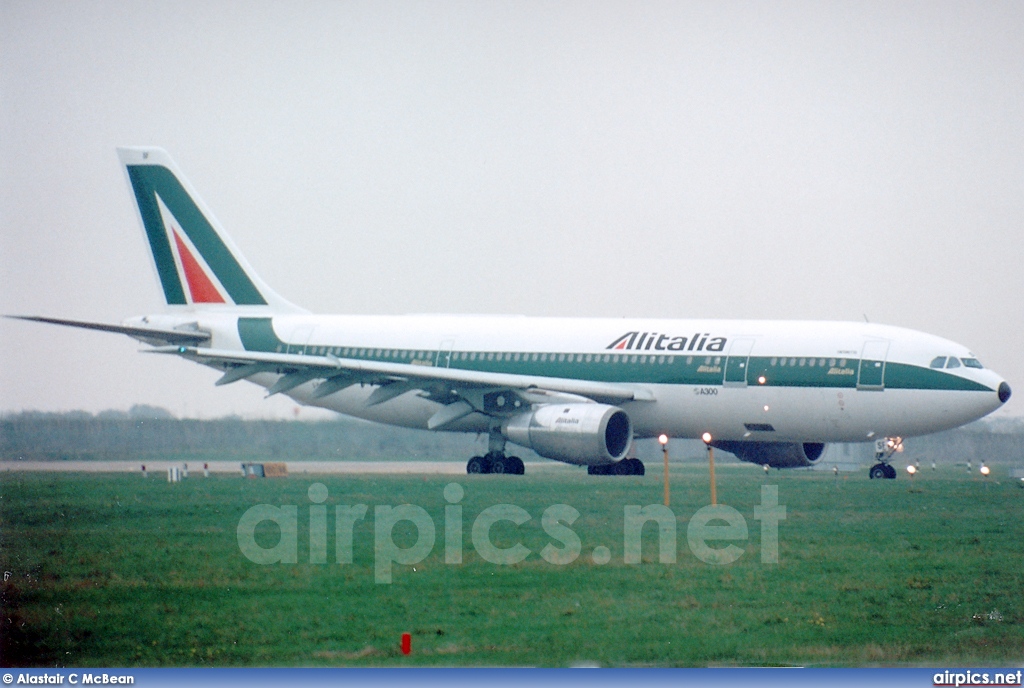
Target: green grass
<point>124,571</point>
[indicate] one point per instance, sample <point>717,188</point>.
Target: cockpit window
<point>953,362</point>
<point>938,362</point>
<point>971,362</point>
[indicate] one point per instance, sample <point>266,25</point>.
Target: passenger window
<point>953,362</point>
<point>971,363</point>
<point>938,362</point>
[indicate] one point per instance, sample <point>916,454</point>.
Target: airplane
<point>571,389</point>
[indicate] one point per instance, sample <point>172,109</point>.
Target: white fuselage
<point>738,380</point>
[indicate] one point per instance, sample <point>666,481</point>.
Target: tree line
<point>145,431</point>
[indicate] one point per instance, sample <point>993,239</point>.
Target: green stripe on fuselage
<point>905,376</point>
<point>257,334</point>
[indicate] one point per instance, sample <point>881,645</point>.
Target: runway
<point>159,468</point>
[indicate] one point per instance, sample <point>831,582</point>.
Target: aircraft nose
<point>1004,392</point>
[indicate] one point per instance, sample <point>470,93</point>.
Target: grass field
<point>124,571</point>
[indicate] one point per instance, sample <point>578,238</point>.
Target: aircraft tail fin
<point>197,263</point>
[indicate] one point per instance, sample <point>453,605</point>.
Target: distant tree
<point>147,412</point>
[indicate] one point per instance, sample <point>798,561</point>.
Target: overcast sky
<point>794,160</point>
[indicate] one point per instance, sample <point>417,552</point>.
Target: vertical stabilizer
<point>196,262</point>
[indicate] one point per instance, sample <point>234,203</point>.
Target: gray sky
<point>801,160</point>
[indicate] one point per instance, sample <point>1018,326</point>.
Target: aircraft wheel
<point>597,470</point>
<point>516,465</point>
<point>477,465</point>
<point>638,466</point>
<point>890,472</point>
<point>500,465</point>
<point>624,467</point>
<point>878,472</point>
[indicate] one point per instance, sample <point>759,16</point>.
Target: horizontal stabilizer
<point>146,334</point>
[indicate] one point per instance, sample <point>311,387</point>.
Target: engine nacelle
<point>775,454</point>
<point>583,434</point>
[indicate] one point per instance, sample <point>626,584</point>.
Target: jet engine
<point>775,454</point>
<point>583,434</point>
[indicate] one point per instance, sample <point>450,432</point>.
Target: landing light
<point>663,439</point>
<point>985,471</point>
<point>911,469</point>
<point>761,380</point>
<point>706,437</point>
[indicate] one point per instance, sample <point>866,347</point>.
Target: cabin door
<point>737,363</point>
<point>871,375</point>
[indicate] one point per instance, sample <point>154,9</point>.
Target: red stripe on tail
<point>199,285</point>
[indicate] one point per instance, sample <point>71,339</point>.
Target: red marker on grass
<point>406,643</point>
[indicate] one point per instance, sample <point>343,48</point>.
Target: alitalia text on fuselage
<point>656,341</point>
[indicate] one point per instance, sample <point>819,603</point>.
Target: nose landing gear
<point>884,449</point>
<point>882,471</point>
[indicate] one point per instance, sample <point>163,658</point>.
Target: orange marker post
<point>711,466</point>
<point>664,448</point>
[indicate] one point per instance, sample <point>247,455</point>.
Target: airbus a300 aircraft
<point>572,390</point>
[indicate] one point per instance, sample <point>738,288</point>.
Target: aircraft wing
<point>149,335</point>
<point>461,391</point>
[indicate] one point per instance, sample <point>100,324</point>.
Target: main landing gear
<point>495,461</point>
<point>624,467</point>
